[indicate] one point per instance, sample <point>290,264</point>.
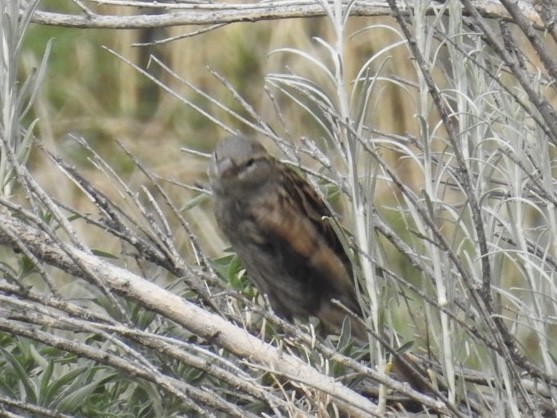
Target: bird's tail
<point>404,365</point>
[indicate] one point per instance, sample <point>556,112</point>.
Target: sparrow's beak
<point>223,166</point>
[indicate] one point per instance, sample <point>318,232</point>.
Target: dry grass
<point>91,93</point>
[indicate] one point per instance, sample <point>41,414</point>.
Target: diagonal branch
<point>192,317</point>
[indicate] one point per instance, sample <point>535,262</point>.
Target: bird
<point>281,230</point>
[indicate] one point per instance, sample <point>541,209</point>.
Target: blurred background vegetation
<point>91,93</point>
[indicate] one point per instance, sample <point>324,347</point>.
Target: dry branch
<point>183,14</point>
<point>192,317</point>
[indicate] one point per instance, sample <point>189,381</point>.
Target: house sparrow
<point>279,227</point>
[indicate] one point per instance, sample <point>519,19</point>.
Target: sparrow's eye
<point>250,163</point>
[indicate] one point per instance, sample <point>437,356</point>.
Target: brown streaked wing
<point>294,219</point>
<point>310,203</point>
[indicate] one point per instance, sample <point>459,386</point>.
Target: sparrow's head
<point>239,166</point>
